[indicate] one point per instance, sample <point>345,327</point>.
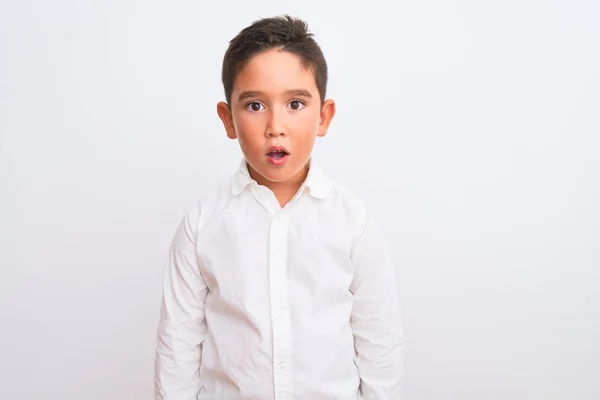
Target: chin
<point>277,173</point>
<point>280,174</point>
<point>277,176</point>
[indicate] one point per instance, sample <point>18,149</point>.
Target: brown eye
<point>254,106</point>
<point>296,105</point>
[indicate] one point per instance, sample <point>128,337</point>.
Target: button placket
<point>279,305</point>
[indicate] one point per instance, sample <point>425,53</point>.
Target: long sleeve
<point>182,325</point>
<point>375,318</point>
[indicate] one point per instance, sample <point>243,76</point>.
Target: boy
<point>278,285</point>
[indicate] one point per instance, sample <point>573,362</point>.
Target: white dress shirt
<point>268,303</point>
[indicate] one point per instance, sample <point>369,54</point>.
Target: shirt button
<point>282,365</point>
<point>280,315</point>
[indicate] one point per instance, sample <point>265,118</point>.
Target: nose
<point>275,125</point>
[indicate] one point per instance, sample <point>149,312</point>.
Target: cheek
<point>249,129</point>
<point>307,123</point>
<point>245,123</point>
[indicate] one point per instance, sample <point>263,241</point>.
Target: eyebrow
<point>255,93</point>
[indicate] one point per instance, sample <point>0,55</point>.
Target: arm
<point>375,318</point>
<point>182,325</point>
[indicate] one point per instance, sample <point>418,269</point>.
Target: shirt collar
<point>317,185</point>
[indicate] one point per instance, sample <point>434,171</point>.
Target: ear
<point>224,112</point>
<point>327,114</point>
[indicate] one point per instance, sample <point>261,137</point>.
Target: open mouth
<point>277,156</point>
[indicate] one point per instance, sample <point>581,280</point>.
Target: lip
<point>277,161</point>
<point>277,148</point>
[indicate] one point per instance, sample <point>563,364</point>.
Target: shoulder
<point>364,228</point>
<point>207,205</point>
<point>348,200</point>
<point>351,210</point>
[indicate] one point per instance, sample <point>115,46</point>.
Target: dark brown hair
<point>284,33</point>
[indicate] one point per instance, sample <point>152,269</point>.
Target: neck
<point>284,191</point>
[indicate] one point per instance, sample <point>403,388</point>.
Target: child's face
<point>276,114</point>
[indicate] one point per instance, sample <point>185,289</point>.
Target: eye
<point>254,106</point>
<point>296,105</point>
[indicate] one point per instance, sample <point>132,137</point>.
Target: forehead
<point>275,72</point>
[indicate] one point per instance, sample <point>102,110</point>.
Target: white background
<point>470,127</point>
